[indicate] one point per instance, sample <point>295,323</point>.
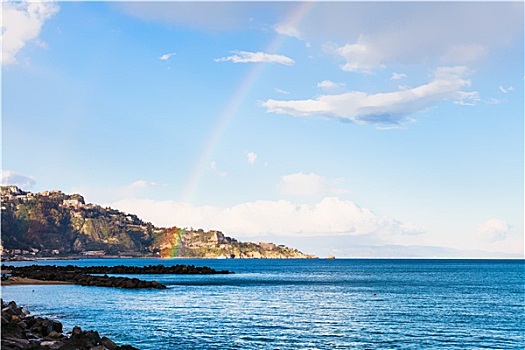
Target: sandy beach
<point>14,281</point>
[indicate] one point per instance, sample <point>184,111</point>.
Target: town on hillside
<point>53,224</point>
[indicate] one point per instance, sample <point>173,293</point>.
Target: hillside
<point>54,223</point>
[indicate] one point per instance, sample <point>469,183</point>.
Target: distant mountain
<point>54,223</point>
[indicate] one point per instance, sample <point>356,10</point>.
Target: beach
<point>14,281</point>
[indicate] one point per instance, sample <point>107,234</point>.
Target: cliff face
<point>56,223</point>
<point>197,243</point>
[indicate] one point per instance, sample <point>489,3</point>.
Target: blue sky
<point>346,128</point>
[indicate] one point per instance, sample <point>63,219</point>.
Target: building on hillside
<point>94,253</point>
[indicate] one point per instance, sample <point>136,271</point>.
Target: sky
<point>357,129</point>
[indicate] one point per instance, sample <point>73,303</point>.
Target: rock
<point>52,344</point>
<point>86,339</point>
<point>15,343</point>
<point>11,309</point>
<point>108,343</point>
<point>47,327</point>
<point>53,335</point>
<point>99,347</point>
<point>57,326</point>
<point>127,347</point>
<point>22,332</point>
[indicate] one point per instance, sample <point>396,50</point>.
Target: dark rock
<point>47,327</point>
<point>54,344</point>
<point>76,331</point>
<point>108,343</point>
<point>22,332</point>
<point>53,335</point>
<point>127,347</point>
<point>15,343</point>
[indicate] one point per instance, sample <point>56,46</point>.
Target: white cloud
<point>328,84</point>
<point>470,98</point>
<point>256,57</point>
<point>397,76</point>
<point>167,56</point>
<point>464,53</point>
<point>506,90</point>
<point>414,32</point>
<point>11,178</point>
<point>330,216</point>
<point>280,91</point>
<point>288,30</point>
<point>361,57</point>
<point>213,167</point>
<point>390,108</point>
<point>495,101</point>
<point>252,157</point>
<point>142,184</point>
<point>493,230</point>
<point>22,23</point>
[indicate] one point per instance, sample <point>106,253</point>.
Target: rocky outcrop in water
<point>90,276</point>
<point>23,332</point>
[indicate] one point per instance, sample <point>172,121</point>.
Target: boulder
<point>108,343</point>
<point>52,344</point>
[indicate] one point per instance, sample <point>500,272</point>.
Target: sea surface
<point>300,304</point>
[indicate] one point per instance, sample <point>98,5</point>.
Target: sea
<point>299,304</point>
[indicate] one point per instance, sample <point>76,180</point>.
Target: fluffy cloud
<point>256,57</point>
<point>493,230</point>
<point>11,178</point>
<point>167,56</point>
<point>397,76</point>
<point>390,108</point>
<point>288,30</point>
<point>252,157</point>
<point>328,84</point>
<point>142,184</point>
<point>414,33</point>
<point>365,35</point>
<point>22,23</point>
<point>330,216</point>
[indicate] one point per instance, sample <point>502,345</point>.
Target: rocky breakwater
<point>23,332</point>
<point>98,275</point>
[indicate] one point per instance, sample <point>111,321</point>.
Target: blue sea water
<point>301,304</point>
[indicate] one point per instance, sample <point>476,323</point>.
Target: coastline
<point>17,281</point>
<point>21,331</point>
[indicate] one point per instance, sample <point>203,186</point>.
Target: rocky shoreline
<point>23,332</point>
<point>98,275</point>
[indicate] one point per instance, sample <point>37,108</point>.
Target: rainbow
<point>175,244</point>
<point>234,102</point>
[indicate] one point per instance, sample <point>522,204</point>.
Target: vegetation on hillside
<point>52,222</point>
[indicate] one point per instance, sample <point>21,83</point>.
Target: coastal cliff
<point>54,223</point>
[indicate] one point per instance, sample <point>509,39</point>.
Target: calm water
<point>301,304</point>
